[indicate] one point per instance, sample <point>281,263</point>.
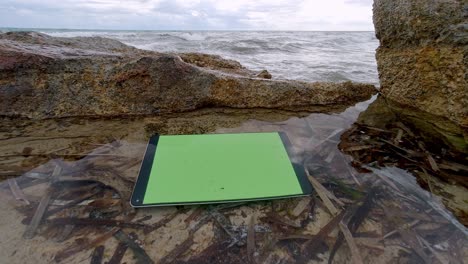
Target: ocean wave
<point>308,56</point>
<point>188,36</point>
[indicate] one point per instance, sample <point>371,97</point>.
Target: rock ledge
<point>49,77</point>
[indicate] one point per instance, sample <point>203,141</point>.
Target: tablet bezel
<point>141,184</point>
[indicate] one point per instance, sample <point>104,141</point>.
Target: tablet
<point>217,168</point>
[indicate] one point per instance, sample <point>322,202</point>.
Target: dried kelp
<point>89,198</point>
<point>98,222</point>
<point>356,217</point>
<point>129,240</point>
<point>251,239</point>
<point>398,145</point>
<point>96,256</point>
<point>309,248</point>
<point>118,253</point>
<point>78,247</point>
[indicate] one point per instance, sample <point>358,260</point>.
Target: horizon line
<point>220,30</point>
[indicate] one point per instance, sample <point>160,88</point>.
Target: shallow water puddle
<point>67,184</point>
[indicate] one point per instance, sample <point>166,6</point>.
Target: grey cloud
<point>164,15</point>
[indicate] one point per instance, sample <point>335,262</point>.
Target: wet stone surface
<point>66,185</point>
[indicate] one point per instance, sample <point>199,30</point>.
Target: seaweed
<point>118,254</point>
<point>357,216</point>
<point>310,247</point>
<point>78,247</point>
<point>97,255</point>
<point>129,240</point>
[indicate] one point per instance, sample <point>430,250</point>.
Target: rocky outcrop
<point>215,62</point>
<point>422,62</point>
<point>48,77</point>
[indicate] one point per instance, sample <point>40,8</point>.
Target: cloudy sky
<point>188,14</point>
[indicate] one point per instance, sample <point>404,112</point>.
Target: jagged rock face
<point>422,62</point>
<point>48,77</point>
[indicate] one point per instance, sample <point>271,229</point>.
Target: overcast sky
<point>188,14</point>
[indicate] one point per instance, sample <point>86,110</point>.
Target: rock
<point>214,62</point>
<point>422,62</point>
<point>47,77</point>
<point>264,74</point>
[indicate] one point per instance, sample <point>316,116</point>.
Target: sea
<point>308,56</point>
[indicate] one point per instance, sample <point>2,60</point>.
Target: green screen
<point>220,167</point>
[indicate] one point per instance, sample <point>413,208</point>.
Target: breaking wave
<point>308,56</point>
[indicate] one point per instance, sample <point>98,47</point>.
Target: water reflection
<point>74,208</point>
